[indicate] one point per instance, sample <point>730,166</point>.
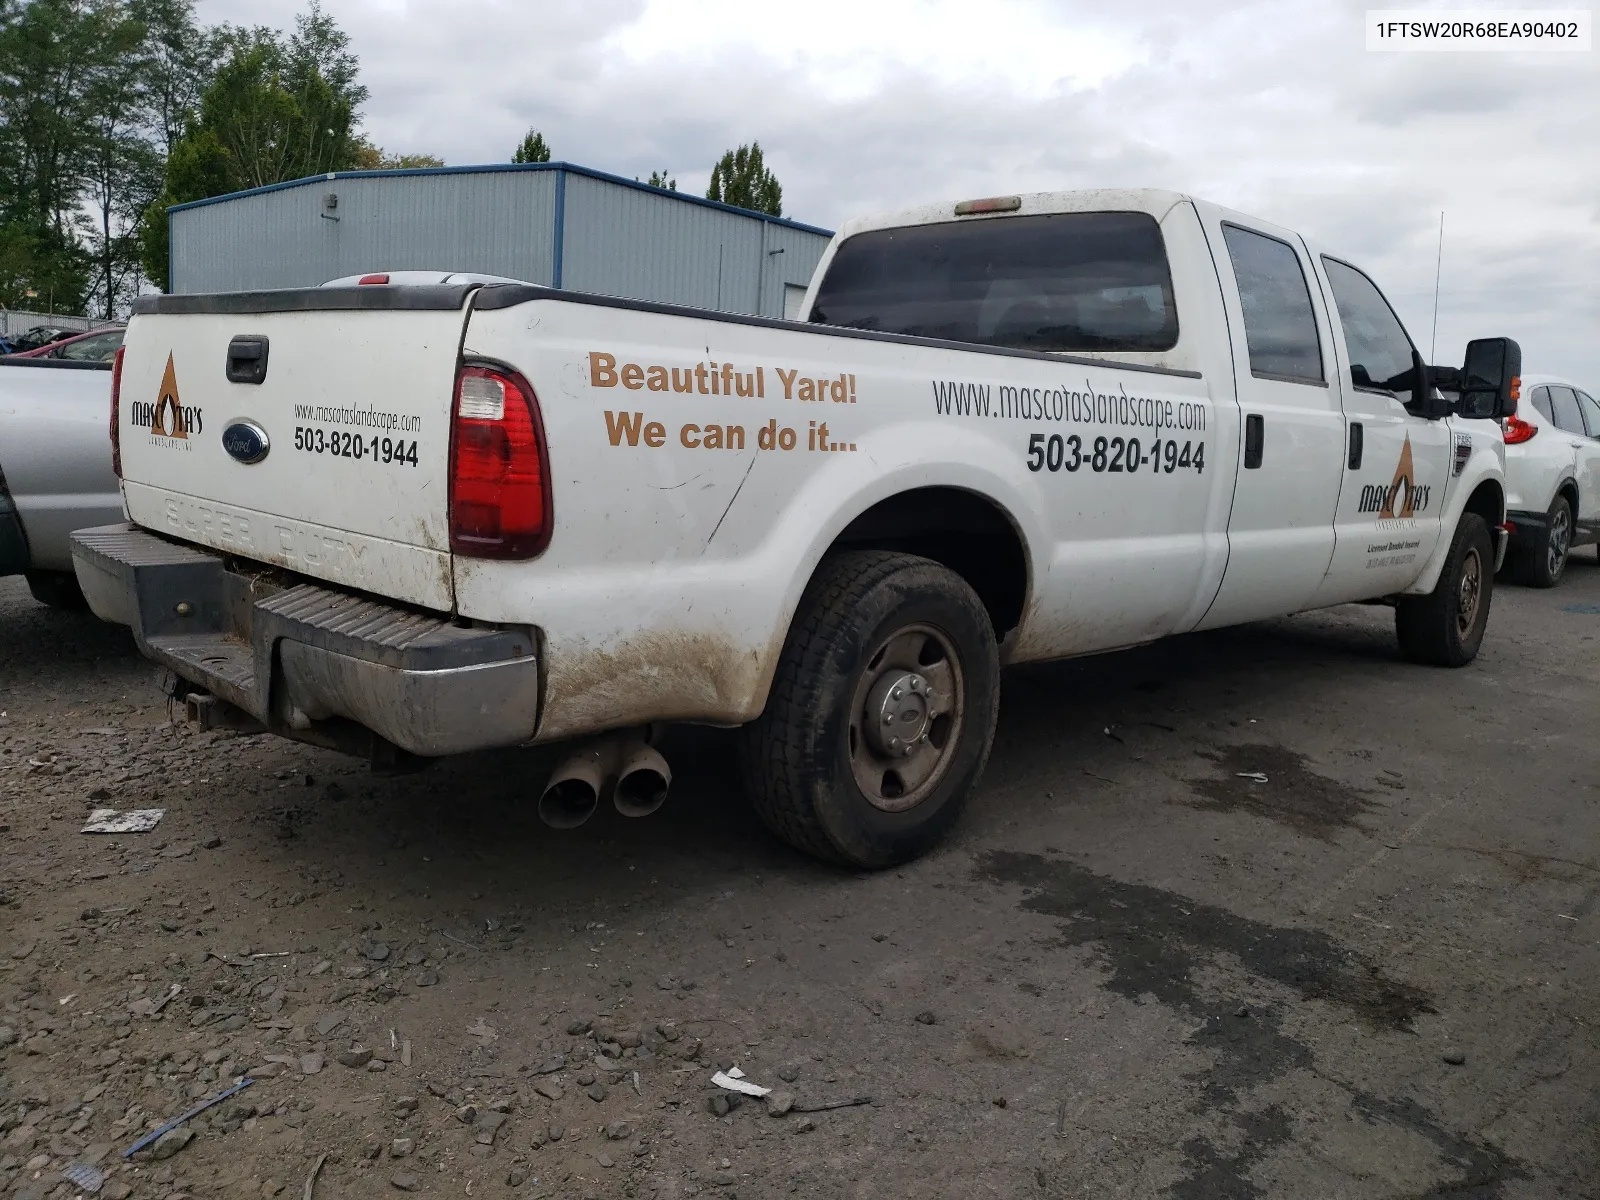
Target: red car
<point>97,345</point>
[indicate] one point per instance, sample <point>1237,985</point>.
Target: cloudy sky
<point>1275,108</point>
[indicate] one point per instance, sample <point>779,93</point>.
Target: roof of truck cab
<point>1156,201</point>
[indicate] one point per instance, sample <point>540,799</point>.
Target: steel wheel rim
<point>1470,593</point>
<point>1560,536</point>
<point>897,778</point>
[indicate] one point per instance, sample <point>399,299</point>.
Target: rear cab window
<point>1280,326</point>
<point>1057,282</point>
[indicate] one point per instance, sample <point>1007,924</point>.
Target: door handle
<point>1356,438</point>
<point>1255,436</point>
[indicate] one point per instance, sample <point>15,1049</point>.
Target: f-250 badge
<point>1403,497</point>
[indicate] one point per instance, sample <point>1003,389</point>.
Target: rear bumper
<point>1526,525</point>
<point>308,661</point>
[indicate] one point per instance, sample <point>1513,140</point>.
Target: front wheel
<point>1445,627</point>
<point>881,713</point>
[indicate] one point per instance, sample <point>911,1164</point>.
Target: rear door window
<point>1280,327</point>
<point>1381,355</point>
<point>1056,282</point>
<point>1565,407</point>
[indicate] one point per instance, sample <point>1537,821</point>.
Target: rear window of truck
<point>1056,282</point>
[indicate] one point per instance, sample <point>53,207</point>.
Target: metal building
<point>549,223</point>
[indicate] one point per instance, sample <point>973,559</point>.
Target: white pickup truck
<point>397,517</point>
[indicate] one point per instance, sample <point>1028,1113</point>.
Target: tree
<point>534,149</point>
<point>175,65</point>
<point>277,109</point>
<point>198,167</point>
<point>659,179</point>
<point>375,158</point>
<point>120,166</point>
<point>741,179</point>
<point>113,110</point>
<point>46,48</point>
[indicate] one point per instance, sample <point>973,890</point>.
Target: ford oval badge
<point>246,441</point>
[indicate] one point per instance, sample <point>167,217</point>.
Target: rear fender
<point>711,655</point>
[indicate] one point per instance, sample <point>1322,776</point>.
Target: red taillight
<point>372,279</point>
<point>1518,431</point>
<point>499,474</point>
<point>116,413</point>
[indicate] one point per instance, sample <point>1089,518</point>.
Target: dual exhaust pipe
<point>626,764</point>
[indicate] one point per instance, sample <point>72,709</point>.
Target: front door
<point>1280,529</point>
<point>1396,461</point>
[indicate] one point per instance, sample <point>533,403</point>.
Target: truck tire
<point>1445,627</point>
<point>1545,559</point>
<point>58,589</point>
<point>882,645</point>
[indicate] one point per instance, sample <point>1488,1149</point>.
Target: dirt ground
<point>1372,971</point>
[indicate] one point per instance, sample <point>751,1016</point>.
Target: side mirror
<point>1491,379</point>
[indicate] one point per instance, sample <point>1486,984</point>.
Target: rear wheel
<point>1546,558</point>
<point>58,589</point>
<point>1445,627</point>
<point>881,713</point>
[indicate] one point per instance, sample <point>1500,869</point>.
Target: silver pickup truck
<point>55,468</point>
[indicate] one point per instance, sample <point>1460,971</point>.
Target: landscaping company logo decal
<point>1402,498</point>
<point>169,421</point>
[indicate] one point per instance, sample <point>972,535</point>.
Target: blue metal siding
<point>490,169</point>
<point>791,258</point>
<point>649,246</point>
<point>568,227</point>
<point>498,224</point>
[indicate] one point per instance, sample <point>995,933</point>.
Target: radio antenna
<point>1438,264</point>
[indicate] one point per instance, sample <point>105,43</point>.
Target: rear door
<point>307,429</point>
<point>1280,532</point>
<point>1396,462</point>
<point>1587,467</point>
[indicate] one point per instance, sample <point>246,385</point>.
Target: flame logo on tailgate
<point>169,420</point>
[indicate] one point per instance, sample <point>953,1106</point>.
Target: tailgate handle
<point>247,359</point>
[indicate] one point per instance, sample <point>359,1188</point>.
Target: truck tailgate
<point>335,464</point>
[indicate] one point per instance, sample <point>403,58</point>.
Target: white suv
<point>1552,477</point>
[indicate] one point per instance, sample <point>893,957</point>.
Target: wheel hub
<point>897,713</point>
<point>1560,534</point>
<point>906,717</point>
<point>1469,594</point>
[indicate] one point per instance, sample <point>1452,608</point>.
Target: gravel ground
<point>1135,971</point>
